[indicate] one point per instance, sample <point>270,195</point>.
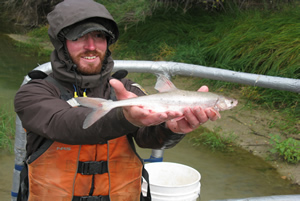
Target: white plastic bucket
<point>172,182</point>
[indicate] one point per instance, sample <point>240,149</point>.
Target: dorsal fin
<point>163,84</point>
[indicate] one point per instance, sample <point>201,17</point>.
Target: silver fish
<point>169,99</point>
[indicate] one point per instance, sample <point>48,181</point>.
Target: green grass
<point>34,48</point>
<point>255,42</point>
<point>40,33</point>
<point>216,140</point>
<point>128,12</point>
<point>288,149</point>
<point>7,129</point>
<point>252,41</point>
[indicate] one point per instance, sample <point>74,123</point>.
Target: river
<point>236,174</point>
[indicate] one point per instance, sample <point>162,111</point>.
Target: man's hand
<point>193,118</point>
<point>137,115</point>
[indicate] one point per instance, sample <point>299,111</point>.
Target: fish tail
<point>100,108</point>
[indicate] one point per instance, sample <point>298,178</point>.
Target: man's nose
<point>89,43</point>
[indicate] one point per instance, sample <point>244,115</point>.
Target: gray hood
<point>64,15</point>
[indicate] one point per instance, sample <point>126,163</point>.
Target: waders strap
<point>24,187</point>
<point>24,182</point>
<point>64,94</point>
<point>146,177</point>
<point>145,174</point>
<point>37,74</point>
<point>91,198</point>
<point>46,144</point>
<point>92,167</point>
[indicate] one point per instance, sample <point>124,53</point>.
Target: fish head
<point>224,103</point>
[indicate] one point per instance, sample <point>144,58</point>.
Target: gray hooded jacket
<point>45,116</point>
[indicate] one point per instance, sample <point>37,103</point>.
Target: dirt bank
<point>251,125</point>
<point>252,128</point>
<point>24,38</point>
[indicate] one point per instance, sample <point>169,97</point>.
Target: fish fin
<point>163,84</point>
<point>94,116</point>
<point>216,112</point>
<point>99,106</point>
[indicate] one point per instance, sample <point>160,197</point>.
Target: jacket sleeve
<point>153,137</point>
<point>42,112</point>
<point>157,137</point>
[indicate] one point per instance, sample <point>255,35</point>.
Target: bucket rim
<point>177,164</point>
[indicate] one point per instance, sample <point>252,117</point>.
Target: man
<point>66,162</point>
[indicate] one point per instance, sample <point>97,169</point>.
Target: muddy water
<point>6,167</point>
<point>224,175</point>
<point>228,175</point>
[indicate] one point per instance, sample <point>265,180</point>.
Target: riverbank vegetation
<point>288,149</point>
<point>215,139</point>
<point>245,36</point>
<point>7,128</point>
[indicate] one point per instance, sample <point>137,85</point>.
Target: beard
<point>90,68</point>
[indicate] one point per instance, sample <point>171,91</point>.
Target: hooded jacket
<point>47,117</point>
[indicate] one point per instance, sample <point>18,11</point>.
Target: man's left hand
<point>193,118</point>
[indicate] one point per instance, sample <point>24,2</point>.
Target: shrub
<point>288,149</point>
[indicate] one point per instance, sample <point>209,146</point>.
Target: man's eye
<point>100,35</point>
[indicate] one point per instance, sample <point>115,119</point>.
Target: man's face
<point>88,52</point>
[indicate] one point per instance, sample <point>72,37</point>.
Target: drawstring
<point>75,92</point>
<point>84,93</point>
<point>76,85</point>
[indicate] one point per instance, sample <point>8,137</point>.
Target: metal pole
<point>175,68</point>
